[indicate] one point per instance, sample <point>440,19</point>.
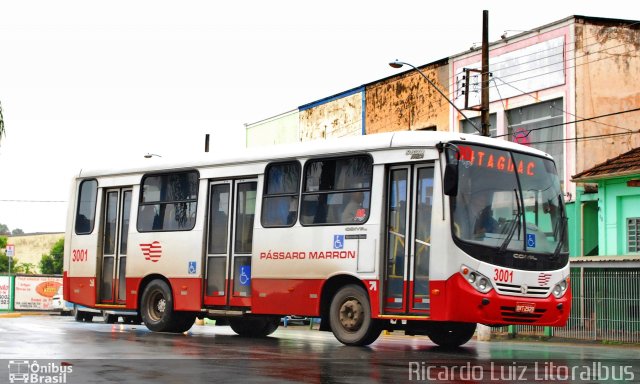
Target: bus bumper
<point>456,300</point>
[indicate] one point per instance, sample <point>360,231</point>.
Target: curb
<point>10,315</point>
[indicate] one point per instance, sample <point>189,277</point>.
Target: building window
<point>281,188</point>
<point>337,191</point>
<point>633,234</point>
<point>168,202</point>
<point>467,127</point>
<point>540,126</point>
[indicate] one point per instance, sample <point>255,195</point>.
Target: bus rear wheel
<point>157,310</point>
<point>450,334</point>
<point>350,317</point>
<point>256,326</point>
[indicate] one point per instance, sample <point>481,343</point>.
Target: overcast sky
<point>83,83</point>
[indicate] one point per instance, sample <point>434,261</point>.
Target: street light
<point>150,155</point>
<point>398,64</point>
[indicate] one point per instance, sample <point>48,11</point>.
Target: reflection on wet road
<point>114,352</point>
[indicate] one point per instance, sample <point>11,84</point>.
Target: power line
<point>558,109</point>
<point>604,50</point>
<point>32,201</point>
<point>569,45</point>
<point>586,137</point>
<point>581,120</point>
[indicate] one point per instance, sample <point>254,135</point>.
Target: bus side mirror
<point>451,180</point>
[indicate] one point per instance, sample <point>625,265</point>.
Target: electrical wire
<point>562,110</point>
<point>582,120</point>
<point>585,138</point>
<point>31,201</point>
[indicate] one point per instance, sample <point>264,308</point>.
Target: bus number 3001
<point>80,255</point>
<point>503,275</point>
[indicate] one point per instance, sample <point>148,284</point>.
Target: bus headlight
<point>479,281</point>
<point>561,288</point>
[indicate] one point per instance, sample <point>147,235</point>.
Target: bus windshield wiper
<point>514,225</point>
<point>563,228</point>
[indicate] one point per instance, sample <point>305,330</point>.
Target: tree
<point>4,263</point>
<point>17,231</point>
<point>3,242</point>
<point>2,133</point>
<point>28,268</point>
<point>51,264</point>
<point>4,230</point>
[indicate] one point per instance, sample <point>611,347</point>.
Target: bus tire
<point>183,322</point>
<point>350,317</point>
<point>157,307</point>
<point>257,326</point>
<point>108,318</point>
<point>450,334</point>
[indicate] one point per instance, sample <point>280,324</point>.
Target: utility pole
<point>484,93</point>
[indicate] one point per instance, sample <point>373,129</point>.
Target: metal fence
<point>605,307</point>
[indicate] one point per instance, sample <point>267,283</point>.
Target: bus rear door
<point>113,257</point>
<point>230,233</point>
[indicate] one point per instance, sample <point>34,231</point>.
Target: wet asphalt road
<point>58,349</point>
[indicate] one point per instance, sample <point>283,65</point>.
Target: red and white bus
<point>427,232</point>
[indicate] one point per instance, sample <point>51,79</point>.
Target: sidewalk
<point>9,315</point>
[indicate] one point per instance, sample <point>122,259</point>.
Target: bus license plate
<point>525,307</point>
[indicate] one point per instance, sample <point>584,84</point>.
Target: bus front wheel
<point>450,334</point>
<point>350,317</point>
<point>157,309</point>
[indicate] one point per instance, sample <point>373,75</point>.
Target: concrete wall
<point>30,248</point>
<point>280,129</point>
<point>616,203</point>
<point>607,71</point>
<point>407,102</point>
<point>336,116</point>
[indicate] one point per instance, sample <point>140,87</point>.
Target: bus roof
<point>333,146</point>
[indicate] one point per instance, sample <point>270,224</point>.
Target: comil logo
<point>152,251</point>
<point>25,371</point>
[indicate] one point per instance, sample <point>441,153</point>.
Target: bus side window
<point>86,209</point>
<point>281,189</point>
<point>168,202</point>
<point>339,189</point>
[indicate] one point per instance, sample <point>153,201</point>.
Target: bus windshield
<point>511,205</point>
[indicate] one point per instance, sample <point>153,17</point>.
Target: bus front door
<point>113,263</point>
<point>229,240</point>
<point>408,242</point>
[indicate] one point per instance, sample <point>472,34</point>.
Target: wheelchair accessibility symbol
<point>531,240</point>
<point>245,275</point>
<point>192,268</point>
<point>338,241</point>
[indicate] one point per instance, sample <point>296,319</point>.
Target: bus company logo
<point>544,278</point>
<point>25,371</point>
<point>152,251</point>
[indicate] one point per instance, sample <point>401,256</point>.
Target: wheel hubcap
<point>162,305</point>
<point>157,306</point>
<point>351,315</point>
